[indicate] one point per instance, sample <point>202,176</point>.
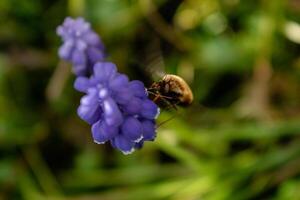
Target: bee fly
<point>172,90</point>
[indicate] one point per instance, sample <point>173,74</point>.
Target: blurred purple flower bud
<point>81,45</point>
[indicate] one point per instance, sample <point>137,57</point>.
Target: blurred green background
<point>239,140</point>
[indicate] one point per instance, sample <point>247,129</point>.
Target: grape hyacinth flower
<point>81,45</point>
<point>119,110</point>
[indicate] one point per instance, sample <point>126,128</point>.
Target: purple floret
<point>81,45</point>
<point>119,110</point>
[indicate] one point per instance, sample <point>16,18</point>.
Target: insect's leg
<point>172,117</point>
<point>162,123</point>
<point>170,105</point>
<point>150,90</point>
<point>164,99</point>
<point>153,93</point>
<point>156,98</point>
<point>174,106</point>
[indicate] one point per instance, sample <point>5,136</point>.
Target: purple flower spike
<point>81,45</point>
<point>118,110</point>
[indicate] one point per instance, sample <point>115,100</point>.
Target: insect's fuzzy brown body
<point>171,90</point>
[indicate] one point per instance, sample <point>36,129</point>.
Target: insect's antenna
<point>149,91</point>
<point>166,97</point>
<point>177,113</point>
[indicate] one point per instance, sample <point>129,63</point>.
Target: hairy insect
<point>172,90</point>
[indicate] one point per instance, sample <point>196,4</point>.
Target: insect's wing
<point>154,63</point>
